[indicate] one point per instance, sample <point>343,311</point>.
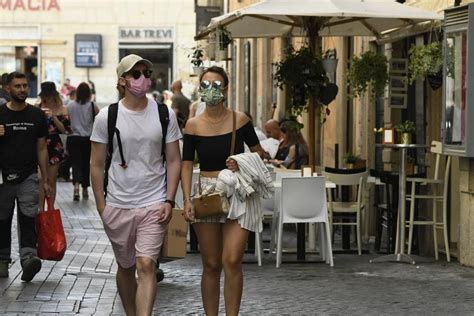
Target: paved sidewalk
<point>84,281</point>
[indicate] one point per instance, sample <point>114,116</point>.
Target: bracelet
<point>188,199</point>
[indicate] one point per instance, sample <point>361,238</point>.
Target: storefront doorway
<point>162,58</point>
<point>23,59</point>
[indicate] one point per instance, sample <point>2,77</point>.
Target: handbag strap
<point>232,145</point>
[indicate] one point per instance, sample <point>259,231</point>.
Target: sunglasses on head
<point>137,73</point>
<point>206,84</point>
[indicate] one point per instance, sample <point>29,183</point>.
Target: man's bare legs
<point>138,297</point>
<point>127,288</point>
<point>146,291</point>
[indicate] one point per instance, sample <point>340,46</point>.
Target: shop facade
<point>351,123</point>
<point>59,39</point>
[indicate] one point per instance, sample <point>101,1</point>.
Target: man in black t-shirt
<point>23,129</point>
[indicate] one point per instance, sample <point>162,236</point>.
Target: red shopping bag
<point>50,232</point>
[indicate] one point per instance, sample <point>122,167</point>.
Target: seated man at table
<point>272,129</point>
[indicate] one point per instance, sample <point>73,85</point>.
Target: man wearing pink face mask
<point>136,200</point>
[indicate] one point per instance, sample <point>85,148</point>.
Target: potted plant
<point>368,70</point>
<point>350,160</point>
<point>426,61</point>
<point>330,60</point>
<point>196,59</point>
<point>303,75</point>
<point>224,38</point>
<point>405,130</point>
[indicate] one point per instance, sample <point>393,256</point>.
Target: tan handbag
<point>206,205</point>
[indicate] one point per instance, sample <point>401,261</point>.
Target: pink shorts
<point>134,233</point>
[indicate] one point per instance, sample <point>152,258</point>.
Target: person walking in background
<point>141,187</point>
<point>297,147</point>
<point>157,96</point>
<point>167,96</point>
<point>221,240</point>
<point>67,88</point>
<point>58,123</point>
<point>70,97</point>
<point>82,113</point>
<point>4,95</point>
<point>92,87</point>
<point>23,133</point>
<point>196,108</point>
<point>179,102</point>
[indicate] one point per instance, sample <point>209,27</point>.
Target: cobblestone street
<point>84,281</point>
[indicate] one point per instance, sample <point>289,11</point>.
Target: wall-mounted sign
<point>88,50</point>
<point>29,5</point>
<point>146,34</point>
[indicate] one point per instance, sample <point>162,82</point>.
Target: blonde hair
<point>57,100</point>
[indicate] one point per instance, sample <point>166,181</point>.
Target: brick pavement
<point>84,281</point>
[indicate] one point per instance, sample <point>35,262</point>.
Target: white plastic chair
<point>437,149</point>
<point>287,173</point>
<point>354,179</point>
<point>303,200</point>
<point>270,210</point>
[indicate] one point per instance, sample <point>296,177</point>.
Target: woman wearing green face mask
<point>221,241</point>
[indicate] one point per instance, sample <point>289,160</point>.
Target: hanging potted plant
<point>368,70</point>
<point>224,38</point>
<point>303,75</point>
<point>196,57</point>
<point>330,60</point>
<point>426,61</point>
<point>211,46</point>
<point>350,160</point>
<point>405,130</point>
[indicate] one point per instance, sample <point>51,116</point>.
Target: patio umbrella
<point>313,18</point>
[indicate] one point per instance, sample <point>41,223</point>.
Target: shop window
<point>23,59</point>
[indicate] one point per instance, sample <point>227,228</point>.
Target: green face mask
<point>212,95</point>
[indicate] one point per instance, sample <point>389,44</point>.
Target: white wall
<point>57,29</point>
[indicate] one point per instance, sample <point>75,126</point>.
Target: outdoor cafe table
<point>301,227</point>
<point>400,255</point>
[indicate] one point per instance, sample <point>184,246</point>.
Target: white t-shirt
<point>143,182</point>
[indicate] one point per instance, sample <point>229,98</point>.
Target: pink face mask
<point>139,87</point>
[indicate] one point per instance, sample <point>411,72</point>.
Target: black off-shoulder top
<point>213,151</point>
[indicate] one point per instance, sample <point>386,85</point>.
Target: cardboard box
<point>175,242</point>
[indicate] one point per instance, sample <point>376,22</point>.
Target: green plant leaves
<point>406,127</point>
<point>196,56</point>
<point>303,74</point>
<point>368,70</point>
<point>425,60</point>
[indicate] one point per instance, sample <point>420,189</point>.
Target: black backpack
<point>112,130</point>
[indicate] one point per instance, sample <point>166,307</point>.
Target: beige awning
<point>275,18</point>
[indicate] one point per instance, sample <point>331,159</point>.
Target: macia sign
<point>29,5</point>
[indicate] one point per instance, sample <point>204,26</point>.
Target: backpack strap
<point>111,122</point>
<point>112,130</point>
<point>165,121</point>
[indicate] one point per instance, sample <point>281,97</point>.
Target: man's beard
<point>18,100</point>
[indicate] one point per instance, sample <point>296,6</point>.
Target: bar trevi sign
<point>29,5</point>
<point>146,34</point>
